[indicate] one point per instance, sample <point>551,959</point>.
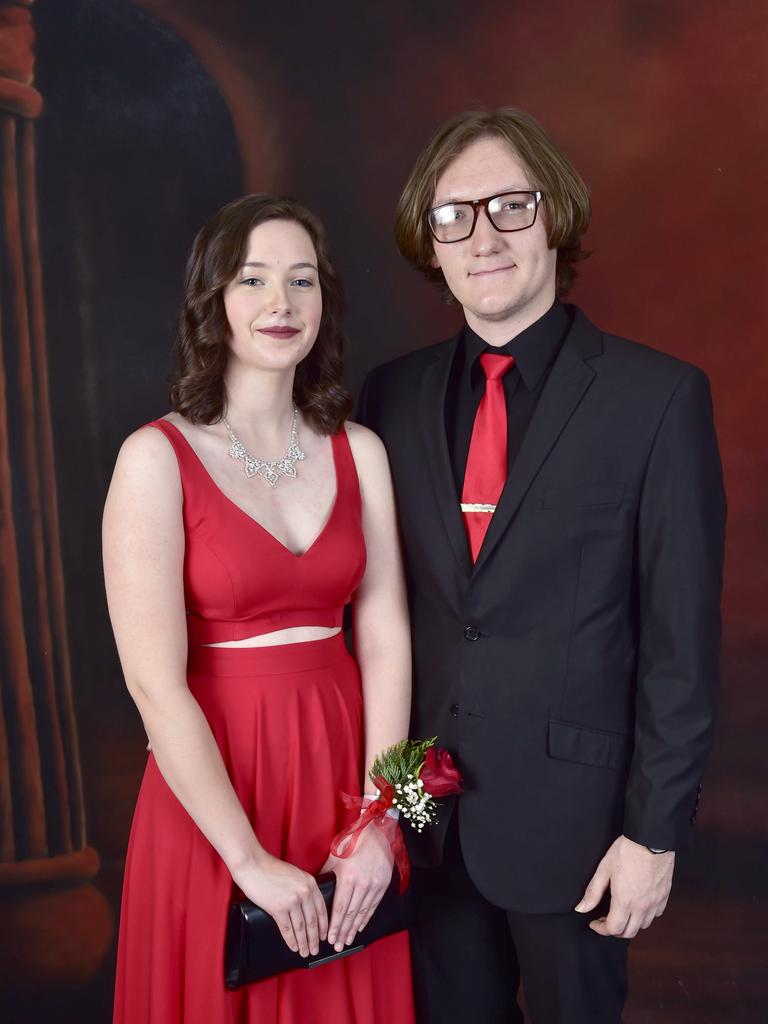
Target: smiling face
<point>504,280</point>
<point>274,303</point>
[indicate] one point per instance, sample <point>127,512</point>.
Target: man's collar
<point>534,348</point>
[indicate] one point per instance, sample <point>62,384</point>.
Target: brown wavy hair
<point>201,348</point>
<point>565,199</point>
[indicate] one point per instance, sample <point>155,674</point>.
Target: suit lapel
<point>568,382</point>
<point>434,385</point>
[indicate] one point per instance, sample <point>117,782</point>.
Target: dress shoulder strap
<point>347,479</point>
<point>186,456</point>
<point>178,441</point>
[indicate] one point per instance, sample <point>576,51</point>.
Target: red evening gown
<point>288,722</point>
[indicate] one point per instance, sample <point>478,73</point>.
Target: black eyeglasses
<point>509,211</point>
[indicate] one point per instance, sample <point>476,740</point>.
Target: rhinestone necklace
<point>269,469</point>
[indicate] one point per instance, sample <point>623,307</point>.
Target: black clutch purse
<point>255,949</point>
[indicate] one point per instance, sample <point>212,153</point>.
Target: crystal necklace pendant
<point>269,470</point>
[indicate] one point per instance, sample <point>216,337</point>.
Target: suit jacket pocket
<point>569,742</point>
<point>584,496</point>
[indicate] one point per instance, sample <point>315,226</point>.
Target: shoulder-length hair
<point>201,349</point>
<point>565,198</point>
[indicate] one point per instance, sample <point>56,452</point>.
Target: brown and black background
<point>124,126</point>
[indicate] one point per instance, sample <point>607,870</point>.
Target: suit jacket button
<point>454,709</point>
<point>471,633</point>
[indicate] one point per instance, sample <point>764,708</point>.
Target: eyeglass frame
<point>478,204</point>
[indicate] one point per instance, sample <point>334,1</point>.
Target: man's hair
<point>565,197</point>
<point>202,349</point>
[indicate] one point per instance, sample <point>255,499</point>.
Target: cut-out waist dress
<point>288,721</point>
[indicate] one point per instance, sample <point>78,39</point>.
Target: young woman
<point>235,530</point>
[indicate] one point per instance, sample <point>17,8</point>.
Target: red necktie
<point>486,471</point>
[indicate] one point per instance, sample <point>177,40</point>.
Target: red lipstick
<point>279,332</point>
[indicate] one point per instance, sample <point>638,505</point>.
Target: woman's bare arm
<point>143,542</point>
<point>381,631</point>
<point>382,646</point>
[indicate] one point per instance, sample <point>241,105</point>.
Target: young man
<point>562,514</point>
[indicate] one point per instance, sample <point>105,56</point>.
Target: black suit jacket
<point>573,669</point>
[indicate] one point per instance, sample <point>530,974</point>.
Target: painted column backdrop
<point>123,126</point>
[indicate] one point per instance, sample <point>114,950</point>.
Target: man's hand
<point>639,882</point>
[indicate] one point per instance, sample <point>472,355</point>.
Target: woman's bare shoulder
<point>364,440</point>
<point>146,459</point>
<point>368,451</point>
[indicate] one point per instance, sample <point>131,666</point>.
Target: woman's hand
<point>291,897</point>
<point>361,881</point>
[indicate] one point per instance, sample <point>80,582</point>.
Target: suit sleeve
<point>366,403</point>
<point>680,538</point>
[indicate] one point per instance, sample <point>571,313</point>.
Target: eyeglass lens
<point>513,211</point>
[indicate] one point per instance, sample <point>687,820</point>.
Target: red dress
<point>288,722</point>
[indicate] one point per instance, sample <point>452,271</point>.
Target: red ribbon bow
<point>375,812</point>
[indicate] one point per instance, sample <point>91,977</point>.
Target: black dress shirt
<point>535,350</point>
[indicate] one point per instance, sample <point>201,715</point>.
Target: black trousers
<point>469,957</point>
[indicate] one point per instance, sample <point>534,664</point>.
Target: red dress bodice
<point>239,580</point>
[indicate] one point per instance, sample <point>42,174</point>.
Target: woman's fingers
<point>301,926</point>
<point>300,930</point>
<point>340,903</point>
<point>315,917</point>
<point>313,931</point>
<point>348,930</point>
<point>286,930</point>
<point>362,916</point>
<point>321,913</point>
<point>368,910</point>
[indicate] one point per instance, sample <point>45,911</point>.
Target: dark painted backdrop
<point>157,111</point>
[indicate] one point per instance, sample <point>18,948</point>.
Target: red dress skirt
<point>288,722</point>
